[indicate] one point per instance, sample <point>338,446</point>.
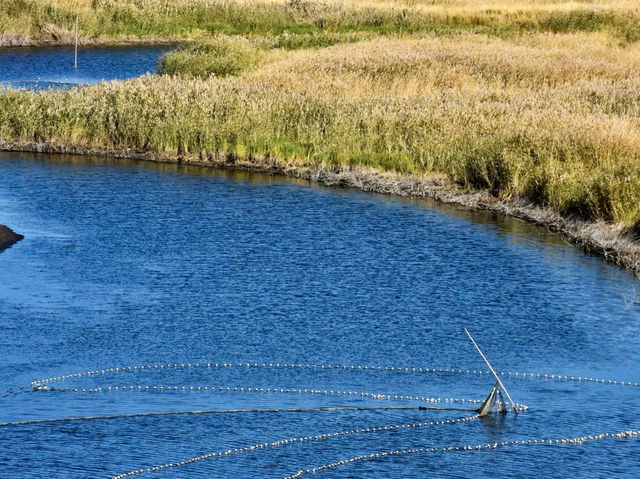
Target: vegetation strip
<point>52,21</point>
<point>534,104</point>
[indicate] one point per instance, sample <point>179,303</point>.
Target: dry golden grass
<point>467,6</point>
<point>417,67</point>
<point>103,19</point>
<point>559,126</point>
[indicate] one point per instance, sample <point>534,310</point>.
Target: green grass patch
<point>49,20</point>
<point>220,56</point>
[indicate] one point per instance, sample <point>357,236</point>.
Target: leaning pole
<point>513,405</point>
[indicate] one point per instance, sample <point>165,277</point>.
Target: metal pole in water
<point>75,63</point>
<point>513,405</point>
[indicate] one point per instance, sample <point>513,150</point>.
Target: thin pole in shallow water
<point>75,62</point>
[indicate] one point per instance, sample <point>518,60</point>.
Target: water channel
<point>47,67</point>
<point>128,264</point>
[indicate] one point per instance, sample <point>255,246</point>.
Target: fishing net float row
<point>176,366</point>
<point>239,389</point>
<point>568,378</point>
<point>479,447</point>
<point>343,367</point>
<point>297,440</point>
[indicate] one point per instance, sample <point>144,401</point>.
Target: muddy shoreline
<point>8,237</point>
<point>612,242</point>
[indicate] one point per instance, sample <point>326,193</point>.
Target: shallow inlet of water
<point>129,264</point>
<point>42,68</point>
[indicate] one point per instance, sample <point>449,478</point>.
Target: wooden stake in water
<point>75,62</point>
<point>513,405</point>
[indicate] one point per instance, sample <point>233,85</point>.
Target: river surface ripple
<point>128,264</point>
<point>41,68</point>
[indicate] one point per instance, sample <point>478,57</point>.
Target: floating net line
<point>343,367</point>
<point>427,403</point>
<point>55,383</point>
<point>268,390</point>
<point>466,448</point>
<point>296,440</point>
<point>232,411</point>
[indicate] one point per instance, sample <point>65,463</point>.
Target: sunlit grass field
<point>525,99</point>
<point>54,20</point>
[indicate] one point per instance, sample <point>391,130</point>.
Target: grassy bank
<point>220,56</point>
<point>551,119</point>
<point>53,21</point>
<point>535,100</point>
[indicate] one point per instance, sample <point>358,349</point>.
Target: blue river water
<point>127,264</point>
<point>42,68</point>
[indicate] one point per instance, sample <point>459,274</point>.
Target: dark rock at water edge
<point>8,237</point>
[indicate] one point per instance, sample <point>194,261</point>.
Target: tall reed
<point>559,126</point>
<point>525,98</point>
<point>52,20</point>
<point>220,56</point>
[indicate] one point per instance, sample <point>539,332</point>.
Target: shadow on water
<point>513,229</point>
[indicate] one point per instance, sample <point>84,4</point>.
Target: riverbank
<point>532,103</point>
<point>8,237</point>
<point>614,243</point>
<point>550,119</point>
